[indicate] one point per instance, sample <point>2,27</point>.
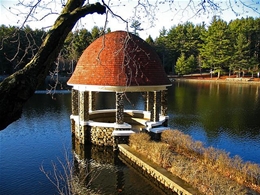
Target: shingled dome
<point>119,61</point>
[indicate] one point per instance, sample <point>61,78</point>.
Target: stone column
<point>83,106</point>
<point>74,108</point>
<point>119,108</point>
<point>164,103</point>
<point>92,101</point>
<point>83,117</point>
<point>148,101</point>
<point>149,104</point>
<point>155,107</point>
<point>74,102</point>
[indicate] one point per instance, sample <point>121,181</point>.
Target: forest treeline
<point>18,46</point>
<point>230,47</point>
<point>220,47</point>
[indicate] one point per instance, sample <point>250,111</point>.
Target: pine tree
<point>216,50</point>
<point>180,65</point>
<point>241,56</point>
<point>185,66</point>
<point>136,25</point>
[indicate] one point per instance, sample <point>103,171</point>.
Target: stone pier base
<point>100,134</point>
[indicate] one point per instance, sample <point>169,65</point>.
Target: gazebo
<point>118,62</point>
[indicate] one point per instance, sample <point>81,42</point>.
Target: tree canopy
<point>220,47</point>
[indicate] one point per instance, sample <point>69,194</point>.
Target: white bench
<point>157,129</point>
<point>122,132</point>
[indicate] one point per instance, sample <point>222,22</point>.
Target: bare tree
<point>16,89</point>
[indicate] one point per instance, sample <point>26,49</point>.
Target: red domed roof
<point>119,59</point>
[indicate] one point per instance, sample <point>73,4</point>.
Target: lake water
<point>221,115</point>
<point>225,116</point>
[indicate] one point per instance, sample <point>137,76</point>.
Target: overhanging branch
<point>16,89</point>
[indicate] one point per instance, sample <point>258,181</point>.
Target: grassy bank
<point>210,170</point>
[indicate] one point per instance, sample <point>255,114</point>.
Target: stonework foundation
<point>102,136</point>
<point>81,133</point>
<point>148,101</point>
<point>164,103</point>
<point>92,101</point>
<point>74,102</point>
<point>119,108</point>
<point>155,106</point>
<point>83,106</point>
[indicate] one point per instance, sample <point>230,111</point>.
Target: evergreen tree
<point>164,51</point>
<point>180,65</point>
<point>136,25</point>
<point>150,40</point>
<point>216,49</point>
<point>82,39</point>
<point>249,29</point>
<point>185,66</point>
<point>191,64</point>
<point>18,46</point>
<point>241,55</point>
<point>183,38</point>
<point>95,32</point>
<point>108,30</point>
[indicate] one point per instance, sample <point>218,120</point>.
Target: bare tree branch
<point>16,89</point>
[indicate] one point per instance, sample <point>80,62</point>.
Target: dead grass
<point>210,170</point>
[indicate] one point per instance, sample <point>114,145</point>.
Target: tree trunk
<point>16,89</point>
<point>218,74</point>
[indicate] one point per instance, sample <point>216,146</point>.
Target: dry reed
<point>210,170</point>
<point>70,178</point>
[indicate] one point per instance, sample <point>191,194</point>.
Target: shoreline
<point>223,79</point>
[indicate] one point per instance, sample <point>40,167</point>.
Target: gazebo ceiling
<point>119,61</point>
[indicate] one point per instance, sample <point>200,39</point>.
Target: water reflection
<point>111,174</point>
<point>39,137</point>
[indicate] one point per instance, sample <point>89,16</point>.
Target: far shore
<point>221,79</point>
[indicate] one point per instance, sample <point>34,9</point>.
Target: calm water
<point>225,116</point>
<point>42,137</point>
<point>221,115</point>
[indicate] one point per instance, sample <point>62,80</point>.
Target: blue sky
<point>163,15</point>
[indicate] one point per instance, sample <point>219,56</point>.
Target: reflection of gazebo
<point>117,62</point>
